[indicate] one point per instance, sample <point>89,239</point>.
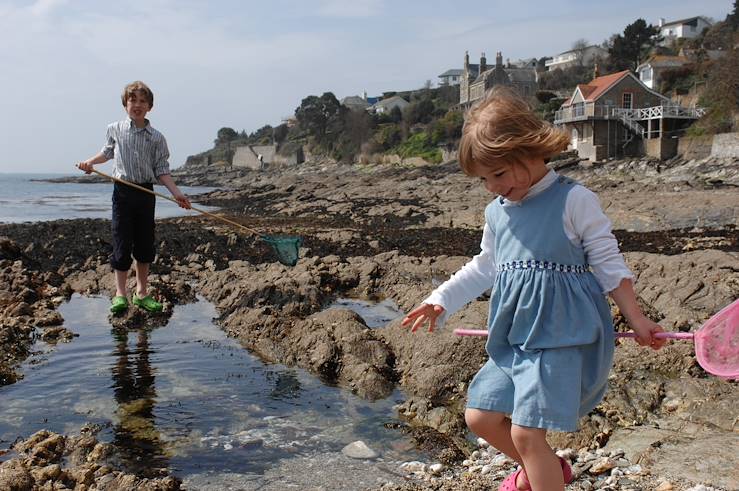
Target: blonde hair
<point>503,128</point>
<point>141,88</point>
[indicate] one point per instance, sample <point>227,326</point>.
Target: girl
<point>550,256</point>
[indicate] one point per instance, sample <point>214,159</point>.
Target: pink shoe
<point>510,482</point>
<point>566,470</point>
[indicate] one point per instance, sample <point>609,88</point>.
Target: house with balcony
<point>587,56</point>
<point>617,115</point>
<point>684,28</point>
<point>450,77</point>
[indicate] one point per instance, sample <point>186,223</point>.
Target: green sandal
<point>147,303</point>
<point>119,304</point>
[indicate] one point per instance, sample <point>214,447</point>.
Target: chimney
<point>661,21</point>
<point>364,96</point>
<point>596,71</point>
<point>499,59</point>
<point>466,61</point>
<point>483,63</point>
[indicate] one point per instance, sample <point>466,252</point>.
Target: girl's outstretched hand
<point>645,329</point>
<point>421,314</point>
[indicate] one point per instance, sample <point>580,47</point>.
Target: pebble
<point>602,465</point>
<point>414,466</point>
<point>593,474</point>
<point>359,450</point>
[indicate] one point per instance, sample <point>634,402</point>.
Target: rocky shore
<point>390,232</point>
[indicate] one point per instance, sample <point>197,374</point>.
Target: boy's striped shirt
<point>140,154</point>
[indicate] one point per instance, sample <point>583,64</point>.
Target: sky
<point>243,63</point>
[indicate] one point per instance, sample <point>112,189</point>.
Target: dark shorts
<point>132,226</point>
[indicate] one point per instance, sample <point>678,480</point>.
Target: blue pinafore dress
<point>550,329</point>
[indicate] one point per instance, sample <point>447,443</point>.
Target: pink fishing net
<point>717,343</point>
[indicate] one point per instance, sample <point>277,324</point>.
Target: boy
<point>140,153</point>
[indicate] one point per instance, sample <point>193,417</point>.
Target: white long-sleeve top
<point>585,225</point>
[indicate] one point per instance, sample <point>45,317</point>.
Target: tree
<point>419,111</point>
<point>733,18</point>
<point>565,79</point>
<point>627,51</point>
<point>720,97</point>
<point>280,133</point>
<point>262,136</point>
<point>321,117</point>
<point>579,48</point>
<point>225,135</point>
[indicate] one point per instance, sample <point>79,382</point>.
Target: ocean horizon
<point>26,197</point>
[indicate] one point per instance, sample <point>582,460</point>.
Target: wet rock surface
<point>397,232</point>
<point>48,460</point>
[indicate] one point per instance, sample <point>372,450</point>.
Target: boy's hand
<point>645,330</point>
<point>182,200</point>
<point>421,314</point>
<point>85,166</point>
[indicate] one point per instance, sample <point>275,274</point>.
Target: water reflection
<point>188,398</point>
<point>136,435</point>
<point>286,385</point>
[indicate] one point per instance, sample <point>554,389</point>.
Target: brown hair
<point>503,128</point>
<point>137,86</point>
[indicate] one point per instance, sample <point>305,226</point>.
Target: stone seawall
<point>695,147</point>
<point>724,145</point>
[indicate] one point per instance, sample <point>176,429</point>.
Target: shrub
<point>419,145</point>
<point>448,128</point>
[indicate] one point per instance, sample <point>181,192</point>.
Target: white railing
<point>581,111</point>
<point>664,111</point>
<point>630,123</point>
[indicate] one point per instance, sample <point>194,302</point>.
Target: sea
<point>31,198</point>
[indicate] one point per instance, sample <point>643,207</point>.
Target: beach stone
<point>602,465</point>
<point>15,476</point>
<point>414,466</point>
<point>359,450</point>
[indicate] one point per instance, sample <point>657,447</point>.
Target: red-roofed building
<point>616,115</point>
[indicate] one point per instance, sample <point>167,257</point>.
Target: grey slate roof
<point>514,75</point>
<point>354,100</point>
<point>688,21</point>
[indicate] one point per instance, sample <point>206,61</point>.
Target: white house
<point>650,72</point>
<point>683,28</point>
<point>585,56</point>
<point>451,77</point>
<point>387,105</point>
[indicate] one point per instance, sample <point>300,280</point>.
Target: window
<point>627,101</point>
<point>646,74</point>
